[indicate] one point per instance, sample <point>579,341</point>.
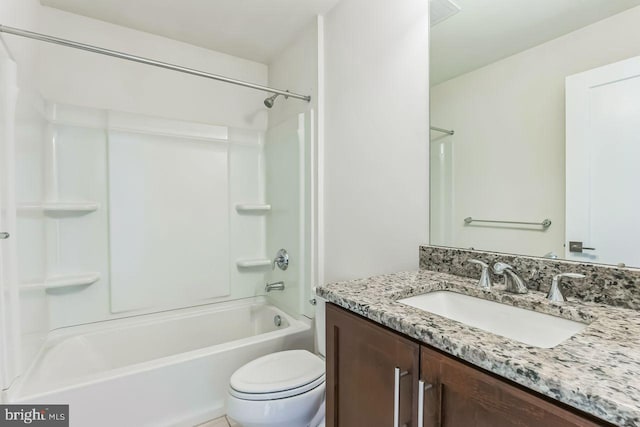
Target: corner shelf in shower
<point>64,282</point>
<point>253,263</point>
<point>60,207</point>
<point>249,208</point>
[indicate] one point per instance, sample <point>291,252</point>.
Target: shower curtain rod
<point>147,61</point>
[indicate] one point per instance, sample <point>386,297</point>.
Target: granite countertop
<point>596,370</point>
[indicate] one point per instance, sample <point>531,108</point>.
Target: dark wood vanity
<point>374,373</point>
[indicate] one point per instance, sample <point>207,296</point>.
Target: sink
<point>529,327</point>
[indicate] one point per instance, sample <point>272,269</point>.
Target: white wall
<point>508,149</point>
<point>376,137</point>
<point>79,78</point>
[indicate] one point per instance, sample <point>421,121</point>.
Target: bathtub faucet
<point>276,286</point>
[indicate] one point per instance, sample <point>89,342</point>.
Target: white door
<point>603,164</point>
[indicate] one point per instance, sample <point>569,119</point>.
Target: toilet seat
<point>278,376</point>
<point>278,394</point>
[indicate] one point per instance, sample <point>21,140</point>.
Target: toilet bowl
<point>283,389</point>
<point>279,389</point>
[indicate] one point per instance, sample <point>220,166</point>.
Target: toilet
<point>283,389</point>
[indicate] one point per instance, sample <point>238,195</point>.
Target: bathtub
<point>164,369</point>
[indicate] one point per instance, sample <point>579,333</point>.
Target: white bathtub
<point>165,369</point>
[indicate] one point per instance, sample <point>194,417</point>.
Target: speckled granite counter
<point>596,371</point>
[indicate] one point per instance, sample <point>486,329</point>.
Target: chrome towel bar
<point>437,129</point>
<point>544,224</point>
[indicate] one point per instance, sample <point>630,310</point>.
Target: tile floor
<point>220,422</point>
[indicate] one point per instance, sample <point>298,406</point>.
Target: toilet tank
<point>321,338</point>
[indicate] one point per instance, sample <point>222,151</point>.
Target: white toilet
<point>284,389</point>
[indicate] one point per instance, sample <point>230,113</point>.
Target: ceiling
<point>251,29</point>
<point>485,31</point>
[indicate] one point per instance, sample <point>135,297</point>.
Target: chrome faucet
<point>485,279</point>
<point>513,283</point>
<point>555,293</point>
<point>276,286</point>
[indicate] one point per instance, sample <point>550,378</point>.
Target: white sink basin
<point>529,327</point>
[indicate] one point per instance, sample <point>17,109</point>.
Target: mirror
<point>535,116</point>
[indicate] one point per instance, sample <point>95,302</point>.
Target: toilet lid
<point>276,372</point>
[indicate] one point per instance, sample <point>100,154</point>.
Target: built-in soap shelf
<point>255,208</point>
<point>253,263</point>
<point>59,207</point>
<point>63,282</point>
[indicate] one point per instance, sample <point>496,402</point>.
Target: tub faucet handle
<point>485,279</point>
<point>281,260</point>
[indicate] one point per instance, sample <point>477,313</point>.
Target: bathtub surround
<point>95,155</point>
<point>619,287</point>
<point>595,371</point>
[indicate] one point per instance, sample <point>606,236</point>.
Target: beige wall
<point>508,148</point>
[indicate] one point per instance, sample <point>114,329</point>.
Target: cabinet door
<point>362,358</point>
<point>464,396</point>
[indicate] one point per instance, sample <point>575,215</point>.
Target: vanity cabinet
<point>461,395</point>
<point>363,388</point>
<point>372,373</point>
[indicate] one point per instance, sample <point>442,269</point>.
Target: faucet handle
<point>555,293</point>
<point>485,279</point>
<point>480,263</point>
<point>501,267</point>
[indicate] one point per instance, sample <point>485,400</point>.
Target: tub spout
<point>276,286</point>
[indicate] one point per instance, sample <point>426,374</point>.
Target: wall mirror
<point>535,117</point>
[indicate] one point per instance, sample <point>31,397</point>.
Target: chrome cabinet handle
<point>396,395</point>
<point>4,235</point>
<point>422,387</point>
